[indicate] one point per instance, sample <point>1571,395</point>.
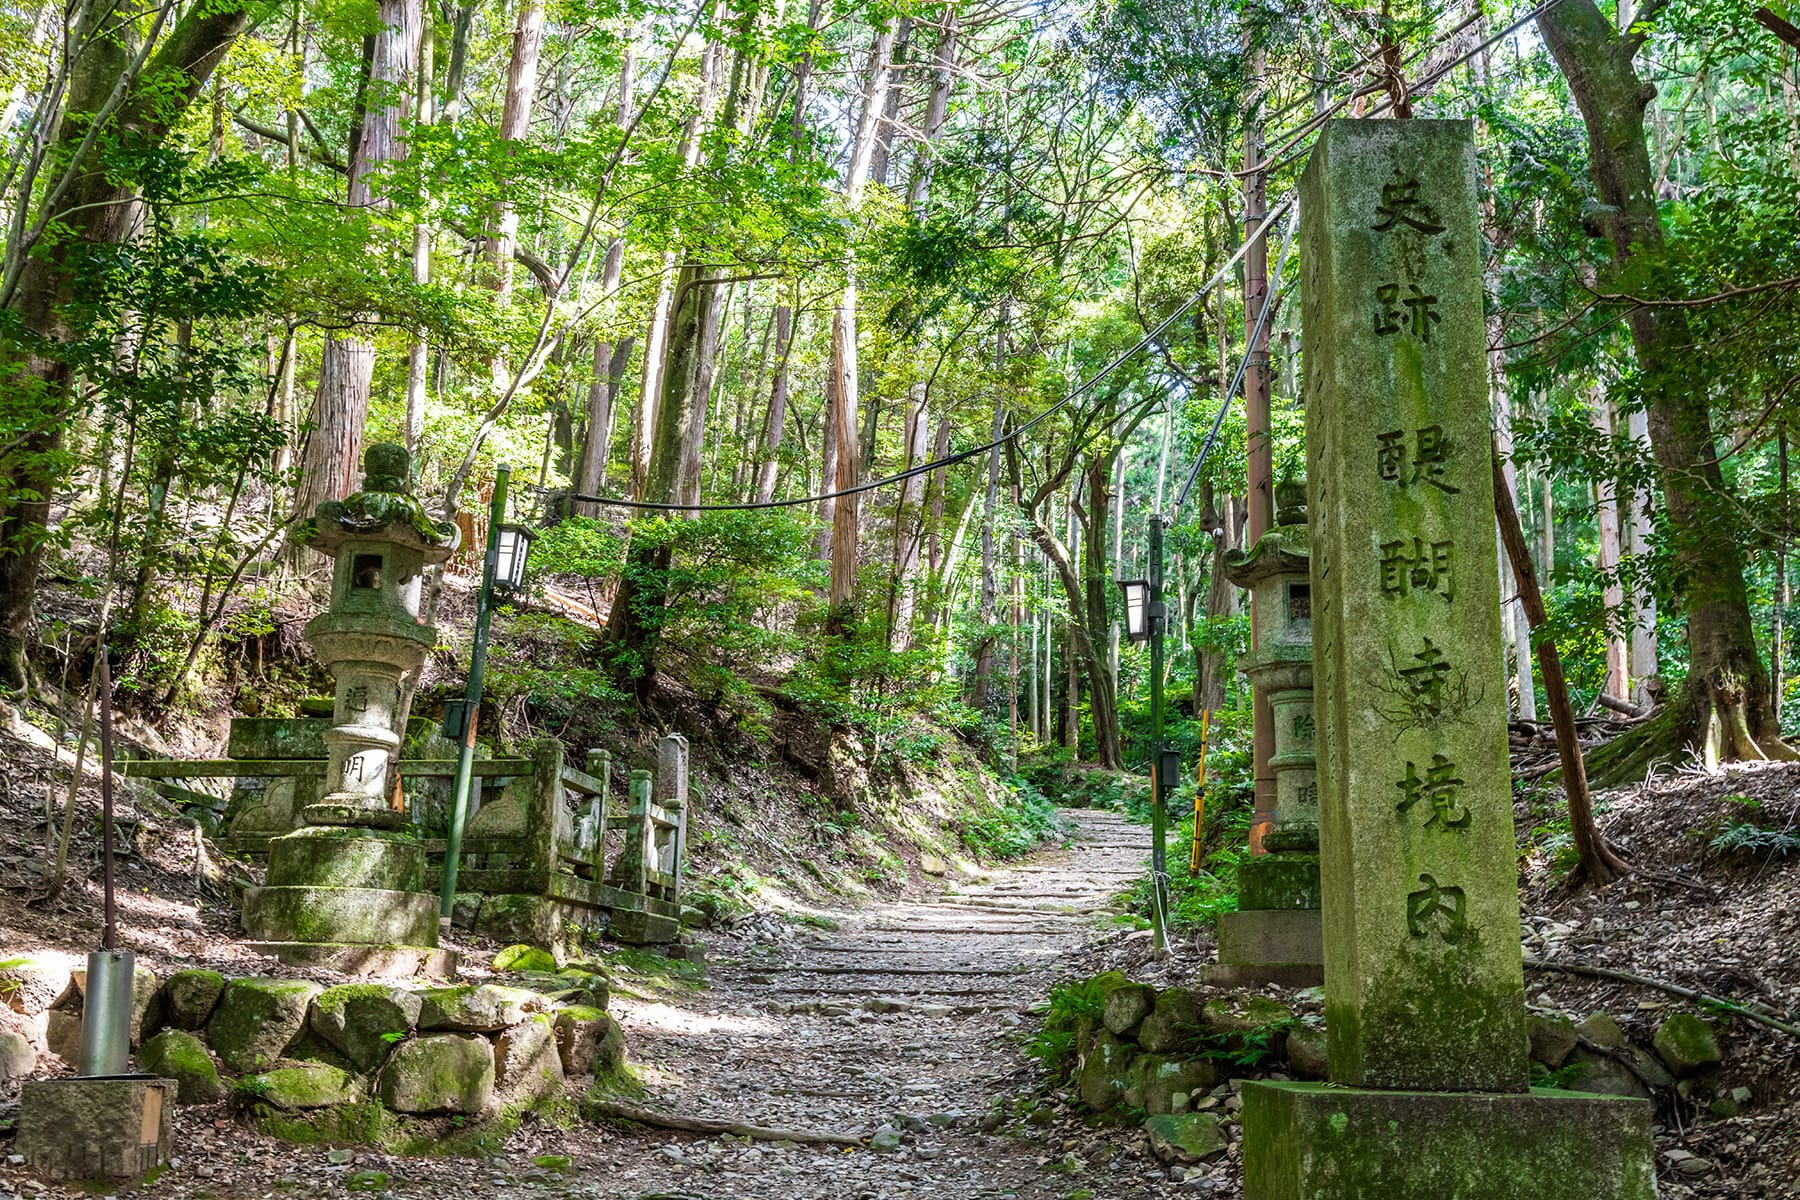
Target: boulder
<point>1306,1053</point>
<point>363,1021</point>
<point>1553,1039</point>
<point>1100,1075</point>
<point>190,996</point>
<point>439,1073</point>
<point>522,957</point>
<point>527,1063</point>
<point>475,1009</point>
<point>1189,1137</point>
<point>17,1057</point>
<point>30,983</point>
<point>179,1055</point>
<point>257,1020</point>
<point>1173,1025</point>
<point>1602,1031</point>
<point>62,1034</point>
<point>302,1087</point>
<point>1127,1007</point>
<point>1153,1081</point>
<point>581,1036</point>
<point>1686,1044</point>
<point>1238,1015</point>
<point>1601,1073</point>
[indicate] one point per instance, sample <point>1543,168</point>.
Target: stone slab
<point>96,1130</point>
<point>643,928</point>
<point>1255,975</point>
<point>1312,1141</point>
<point>346,856</point>
<point>1424,986</point>
<point>367,962</point>
<point>370,916</point>
<point>1271,936</point>
<point>1278,881</point>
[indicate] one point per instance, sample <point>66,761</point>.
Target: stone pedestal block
<point>1279,881</point>
<point>640,928</point>
<point>96,1130</point>
<point>371,916</point>
<point>1310,1141</point>
<point>347,856</point>
<point>1271,936</point>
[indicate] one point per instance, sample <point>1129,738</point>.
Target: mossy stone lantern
<point>353,875</point>
<point>1275,934</point>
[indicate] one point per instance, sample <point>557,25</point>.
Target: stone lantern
<point>1275,934</point>
<point>352,878</point>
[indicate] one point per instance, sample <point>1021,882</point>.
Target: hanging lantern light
<point>512,548</point>
<point>1137,608</point>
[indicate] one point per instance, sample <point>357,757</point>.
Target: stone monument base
<point>1275,936</point>
<point>1272,936</point>
<point>371,916</point>
<point>1312,1141</point>
<point>98,1130</point>
<point>370,962</point>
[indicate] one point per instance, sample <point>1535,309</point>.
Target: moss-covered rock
<point>1173,1025</point>
<point>1101,1073</point>
<point>527,1062</point>
<point>363,1021</point>
<point>1598,1071</point>
<point>1154,1080</point>
<point>1553,1039</point>
<point>190,996</point>
<point>1189,1137</point>
<point>581,1033</point>
<point>17,1057</point>
<point>439,1073</point>
<point>258,1019</point>
<point>475,1009</point>
<point>522,957</point>
<point>1602,1031</point>
<point>1306,1052</point>
<point>179,1055</point>
<point>1243,1014</point>
<point>1686,1044</point>
<point>30,983</point>
<point>302,1087</point>
<point>1126,1008</point>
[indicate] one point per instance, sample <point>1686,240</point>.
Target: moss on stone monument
<point>179,1055</point>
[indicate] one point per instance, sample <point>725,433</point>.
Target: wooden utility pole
<point>1261,485</point>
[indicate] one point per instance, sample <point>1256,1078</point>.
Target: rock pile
<point>310,1061</point>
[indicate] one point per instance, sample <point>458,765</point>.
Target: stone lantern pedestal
<point>1274,937</point>
<point>347,889</point>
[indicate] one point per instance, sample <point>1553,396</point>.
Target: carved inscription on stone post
<point>1423,981</point>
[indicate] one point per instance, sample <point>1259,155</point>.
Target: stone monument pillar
<point>1424,990</point>
<point>1273,937</point>
<point>347,889</point>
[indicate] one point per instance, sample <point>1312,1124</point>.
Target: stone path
<point>904,1016</point>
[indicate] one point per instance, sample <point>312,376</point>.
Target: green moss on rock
<point>179,1055</point>
<point>363,1021</point>
<point>1185,1137</point>
<point>475,1009</point>
<point>1100,1077</point>
<point>1686,1044</point>
<point>190,996</point>
<point>522,957</point>
<point>441,1072</point>
<point>258,1019</point>
<point>1174,1025</point>
<point>302,1087</point>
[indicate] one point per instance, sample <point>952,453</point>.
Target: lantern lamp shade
<point>513,546</point>
<point>1137,608</point>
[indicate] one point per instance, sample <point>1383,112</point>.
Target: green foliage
<point>1065,1008</point>
<point>1751,840</point>
<point>1013,827</point>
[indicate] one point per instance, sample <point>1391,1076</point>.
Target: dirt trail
<point>902,1017</point>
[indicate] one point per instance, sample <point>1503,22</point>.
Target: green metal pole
<point>465,760</point>
<point>1158,802</point>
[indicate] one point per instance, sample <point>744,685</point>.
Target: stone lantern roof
<point>384,509</point>
<point>1285,549</point>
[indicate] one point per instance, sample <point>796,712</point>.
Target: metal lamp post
<point>1145,619</point>
<point>503,570</point>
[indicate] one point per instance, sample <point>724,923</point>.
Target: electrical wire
<point>1237,380</point>
<point>962,455</point>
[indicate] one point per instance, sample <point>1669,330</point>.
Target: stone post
<point>635,854</point>
<point>672,769</point>
<point>1424,991</point>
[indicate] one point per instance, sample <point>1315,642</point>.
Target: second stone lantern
<point>347,889</point>
<point>1275,936</point>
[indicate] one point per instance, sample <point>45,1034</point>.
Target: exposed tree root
<point>1674,989</point>
<point>711,1125</point>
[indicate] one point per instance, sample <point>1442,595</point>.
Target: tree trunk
<point>984,646</point>
<point>92,208</point>
<point>515,127</point>
<point>1727,700</point>
<point>341,409</point>
<point>1644,665</point>
<point>1606,513</point>
<point>776,423</point>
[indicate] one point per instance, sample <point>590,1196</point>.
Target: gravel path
<point>903,1019</point>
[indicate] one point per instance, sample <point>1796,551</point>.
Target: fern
<point>1747,837</point>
